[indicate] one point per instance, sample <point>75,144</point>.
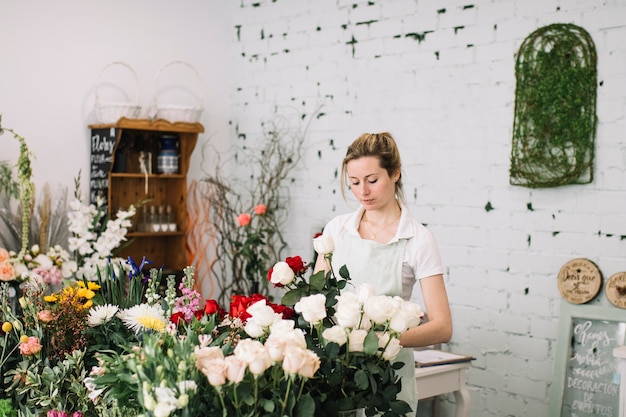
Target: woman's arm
<point>438,328</point>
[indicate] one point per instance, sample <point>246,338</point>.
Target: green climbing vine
<point>25,186</point>
<point>555,108</point>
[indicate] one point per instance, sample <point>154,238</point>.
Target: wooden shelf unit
<point>128,186</point>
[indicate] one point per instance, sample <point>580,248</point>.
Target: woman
<point>382,244</point>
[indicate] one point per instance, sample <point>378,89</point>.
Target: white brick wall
<point>448,99</point>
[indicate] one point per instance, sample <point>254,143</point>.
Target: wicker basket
<point>177,112</point>
<point>109,111</point>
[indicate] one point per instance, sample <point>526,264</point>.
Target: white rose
<point>263,314</point>
<point>379,308</point>
<point>254,329</point>
<point>412,312</point>
<point>356,339</point>
<point>313,308</point>
<point>285,330</point>
<point>324,245</point>
<point>282,274</point>
<point>365,291</point>
<point>391,347</point>
<point>348,310</point>
<point>276,348</point>
<point>254,354</point>
<point>293,359</point>
<point>336,334</point>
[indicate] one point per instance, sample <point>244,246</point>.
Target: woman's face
<point>370,183</point>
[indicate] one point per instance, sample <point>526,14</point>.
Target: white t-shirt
<point>421,256</point>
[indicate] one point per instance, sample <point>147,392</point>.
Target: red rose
<point>239,305</point>
<point>296,264</point>
<point>287,312</point>
<point>177,318</point>
<point>212,307</point>
<point>198,314</point>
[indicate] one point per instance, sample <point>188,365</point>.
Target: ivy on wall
<point>555,108</point>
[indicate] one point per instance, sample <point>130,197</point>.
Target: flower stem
<point>282,413</point>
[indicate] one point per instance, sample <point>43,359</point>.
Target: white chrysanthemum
<point>100,315</point>
<point>143,317</point>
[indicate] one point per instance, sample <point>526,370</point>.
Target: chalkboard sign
<point>586,377</point>
<point>102,146</point>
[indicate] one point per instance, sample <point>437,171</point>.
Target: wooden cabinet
<point>130,176</point>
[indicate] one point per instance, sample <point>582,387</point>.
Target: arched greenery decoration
<point>555,108</point>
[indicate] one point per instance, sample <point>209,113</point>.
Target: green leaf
<point>305,406</point>
<point>370,344</point>
<point>361,379</point>
<point>343,272</point>
<point>292,297</point>
<point>318,280</point>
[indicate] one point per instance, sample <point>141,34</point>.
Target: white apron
<point>379,265</point>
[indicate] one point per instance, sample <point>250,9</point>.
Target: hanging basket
<point>176,112</point>
<point>110,112</point>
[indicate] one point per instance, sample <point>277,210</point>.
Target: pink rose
<point>215,371</point>
<point>30,347</point>
<point>243,219</point>
<point>235,369</point>
<point>45,316</point>
<point>7,273</point>
<point>260,209</point>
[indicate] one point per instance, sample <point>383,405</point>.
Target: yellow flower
<point>88,304</point>
<point>152,323</point>
<point>85,293</point>
<point>7,327</point>
<point>52,298</point>
<point>90,285</point>
<point>23,339</point>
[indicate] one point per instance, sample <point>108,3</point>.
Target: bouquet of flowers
<point>117,346</point>
<point>354,331</point>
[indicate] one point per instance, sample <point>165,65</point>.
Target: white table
<point>443,379</point>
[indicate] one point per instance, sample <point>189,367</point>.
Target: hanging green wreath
<point>555,108</point>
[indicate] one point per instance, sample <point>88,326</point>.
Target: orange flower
<point>244,219</point>
<point>7,273</point>
<point>4,255</point>
<point>260,209</point>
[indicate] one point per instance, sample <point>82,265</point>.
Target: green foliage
<point>41,385</point>
<point>555,108</point>
<point>6,409</point>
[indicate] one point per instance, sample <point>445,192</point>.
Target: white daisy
<point>100,315</point>
<point>144,317</point>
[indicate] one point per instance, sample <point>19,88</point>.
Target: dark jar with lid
<point>167,160</point>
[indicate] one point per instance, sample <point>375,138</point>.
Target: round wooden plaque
<point>579,281</point>
<point>616,289</point>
